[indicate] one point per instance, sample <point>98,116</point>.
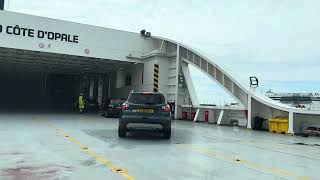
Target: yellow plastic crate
<point>279,125</point>
<point>283,126</point>
<point>273,126</point>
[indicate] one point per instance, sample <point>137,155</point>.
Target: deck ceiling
<point>24,60</point>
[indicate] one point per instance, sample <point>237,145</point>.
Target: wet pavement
<point>66,146</point>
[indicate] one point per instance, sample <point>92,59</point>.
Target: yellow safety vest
<point>81,101</point>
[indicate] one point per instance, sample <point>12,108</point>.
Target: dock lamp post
<point>254,82</point>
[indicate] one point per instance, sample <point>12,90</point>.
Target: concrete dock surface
<point>69,146</point>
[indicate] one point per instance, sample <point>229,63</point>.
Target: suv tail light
<point>166,108</point>
<point>125,107</point>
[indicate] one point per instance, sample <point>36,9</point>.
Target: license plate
<point>146,110</point>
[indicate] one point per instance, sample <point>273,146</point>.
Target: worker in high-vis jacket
<point>81,103</point>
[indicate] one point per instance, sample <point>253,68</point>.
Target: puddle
<point>304,144</point>
<point>31,173</point>
<point>89,162</point>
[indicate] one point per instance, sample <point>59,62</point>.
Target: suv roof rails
<point>160,92</point>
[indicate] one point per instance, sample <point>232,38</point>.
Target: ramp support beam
<point>220,117</point>
<point>190,86</point>
<point>196,116</point>
<point>249,112</point>
<point>290,129</point>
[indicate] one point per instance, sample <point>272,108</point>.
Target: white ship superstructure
<point>308,101</point>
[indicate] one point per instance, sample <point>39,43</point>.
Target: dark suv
<point>145,110</point>
<point>114,108</point>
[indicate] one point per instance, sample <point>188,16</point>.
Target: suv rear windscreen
<point>145,98</point>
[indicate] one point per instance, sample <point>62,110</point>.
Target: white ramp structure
<point>256,104</point>
<point>117,62</point>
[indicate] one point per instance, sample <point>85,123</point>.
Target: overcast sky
<point>276,40</point>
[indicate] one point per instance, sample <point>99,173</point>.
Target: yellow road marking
<point>246,163</point>
<point>99,158</point>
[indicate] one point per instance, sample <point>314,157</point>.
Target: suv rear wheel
<point>167,132</point>
<point>122,131</point>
